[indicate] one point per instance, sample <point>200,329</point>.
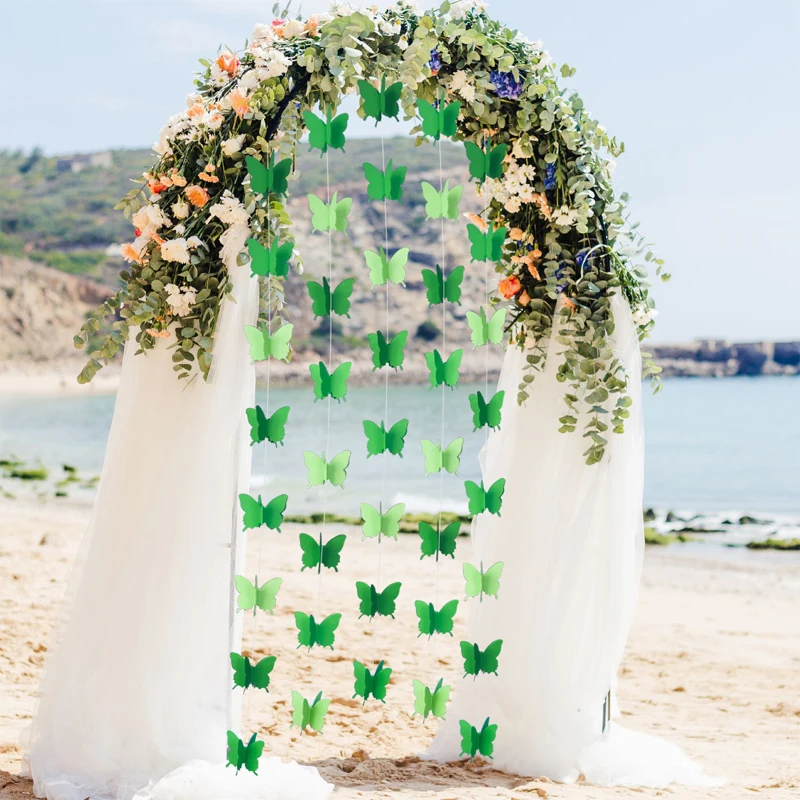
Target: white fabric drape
<point>571,539</point>
<point>137,684</point>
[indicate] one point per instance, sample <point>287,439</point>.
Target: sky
<point>703,93</point>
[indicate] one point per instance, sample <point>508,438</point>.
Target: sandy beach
<point>712,664</point>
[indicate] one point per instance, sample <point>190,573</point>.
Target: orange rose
<point>508,287</point>
<point>240,102</point>
<point>516,234</point>
<point>129,253</point>
<point>228,62</point>
<point>534,272</point>
<point>196,195</point>
<point>196,110</point>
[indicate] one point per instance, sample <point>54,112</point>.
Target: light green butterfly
<point>437,459</point>
<point>329,216</point>
<point>378,522</point>
<point>480,583</point>
<point>431,703</point>
<point>486,330</point>
<point>264,345</point>
<point>441,204</point>
<point>254,596</point>
<point>441,371</point>
<point>325,133</point>
<point>309,715</point>
<point>321,471</point>
<point>382,269</point>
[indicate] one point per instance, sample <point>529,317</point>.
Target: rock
<point>53,539</point>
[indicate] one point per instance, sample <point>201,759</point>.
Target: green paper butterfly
<point>310,632</point>
<point>379,440</point>
<point>269,177</point>
<point>378,522</point>
<point>257,514</point>
<point>439,120</point>
<point>480,583</point>
<point>438,540</point>
<point>371,683</point>
<point>389,353</point>
<point>481,499</point>
<point>441,204</point>
<point>264,345</point>
<point>325,133</point>
<point>486,245</point>
<point>486,163</point>
<point>486,414</point>
<point>309,715</point>
<point>254,596</point>
<point>429,702</point>
<point>477,660</point>
<point>244,755</point>
<point>441,371</point>
<point>272,260</point>
<point>329,216</point>
<point>316,554</point>
<point>384,184</point>
<point>246,674</point>
<point>486,330</point>
<point>263,428</point>
<point>374,602</point>
<point>380,103</point>
<point>383,269</point>
<point>324,302</point>
<point>440,289</point>
<point>437,459</point>
<point>321,471</point>
<point>474,741</point>
<point>330,384</point>
<point>432,621</point>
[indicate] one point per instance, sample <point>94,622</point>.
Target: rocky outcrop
<point>722,359</point>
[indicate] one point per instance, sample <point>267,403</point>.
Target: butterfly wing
<point>336,128</point>
<point>450,118</point>
<point>494,327</point>
<point>433,457</point>
<point>372,521</point>
<point>317,472</point>
<point>259,257</point>
<point>239,664</point>
<point>337,468</point>
<point>279,257</point>
<point>395,350</point>
<point>258,424</point>
<point>280,174</point>
<point>477,161</point>
<point>268,594</point>
<point>320,376</point>
<point>235,752</point>
<point>262,672</point>
<point>275,426</point>
<point>429,540</point>
<point>340,300</point>
<point>396,266</point>
<point>478,241</point>
<point>395,178</point>
<point>491,579</point>
<point>375,180</point>
<point>494,161</point>
<point>452,287</point>
<point>364,592</point>
<point>340,211</point>
<point>478,326</point>
<point>422,698</point>
<point>320,298</point>
<point>425,615</point>
<point>478,406</point>
<point>453,198</point>
<point>378,267</point>
<point>448,537</point>
<point>439,701</point>
<point>273,512</point>
<point>434,201</point>
<point>246,597</point>
<point>473,578</point>
<point>434,282</point>
<point>387,599</point>
<point>396,435</point>
<point>320,213</point>
<point>445,616</point>
<point>317,132</point>
<point>331,552</point>
<point>377,343</point>
<point>430,118</point>
<point>311,551</point>
<point>390,520</point>
<point>380,682</point>
<point>338,380</point>
<point>469,653</point>
<point>390,99</point>
<point>435,367</point>
<point>494,496</point>
<point>494,410</point>
<point>326,630</point>
<point>376,438</point>
<point>486,739</point>
<point>258,340</point>
<point>280,342</point>
<point>451,456</point>
<point>253,512</point>
<point>498,239</point>
<point>475,495</point>
<point>361,686</point>
<point>490,657</point>
<point>301,711</point>
<point>469,739</point>
<point>371,98</point>
<point>305,634</point>
<point>451,367</point>
<point>259,175</point>
<point>317,712</point>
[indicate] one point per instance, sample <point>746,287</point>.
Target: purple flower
<point>550,177</point>
<point>435,63</point>
<point>580,258</point>
<point>505,85</point>
<point>561,277</point>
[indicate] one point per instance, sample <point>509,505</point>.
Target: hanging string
<point>486,144</point>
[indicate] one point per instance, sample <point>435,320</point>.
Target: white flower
<point>402,42</point>
<point>292,28</point>
<point>513,204</point>
<point>389,28</point>
<point>180,209</point>
<point>234,145</point>
<point>272,65</point>
<point>248,81</point>
<point>462,83</point>
<point>180,229</point>
<point>460,8</point>
<point>175,250</point>
<point>565,216</point>
<point>194,241</point>
<point>150,218</point>
<point>644,316</point>
<point>262,33</point>
<point>233,242</point>
<point>230,211</point>
<point>180,299</point>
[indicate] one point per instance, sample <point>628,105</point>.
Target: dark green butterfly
<point>379,440</point>
<point>486,163</point>
<point>269,177</point>
<point>380,103</point>
<point>432,621</point>
<point>330,384</point>
<point>481,499</point>
<point>440,289</point>
<point>264,345</point>
<point>477,660</point>
<point>264,428</point>
<point>272,260</point>
<point>256,675</point>
<point>310,632</point>
<point>486,414</point>
<point>251,595</point>
<point>480,583</point>
<point>324,301</point>
<point>474,741</point>
<point>257,514</point>
<point>378,522</point>
<point>438,541</point>
<point>325,133</point>
<point>384,184</point>
<point>387,353</point>
<point>244,755</point>
<point>316,554</point>
<point>441,371</point>
<point>439,119</point>
<point>309,715</point>
<point>486,245</point>
<point>374,602</point>
<point>371,683</point>
<point>427,702</point>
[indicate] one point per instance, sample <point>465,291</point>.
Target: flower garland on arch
<point>569,245</point>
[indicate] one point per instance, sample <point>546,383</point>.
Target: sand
<point>712,665</point>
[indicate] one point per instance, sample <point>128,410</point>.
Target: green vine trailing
<point>567,248</point>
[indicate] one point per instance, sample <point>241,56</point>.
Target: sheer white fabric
<point>571,539</point>
<point>138,681</point>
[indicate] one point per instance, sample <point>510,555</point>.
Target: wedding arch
<point>553,240</point>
